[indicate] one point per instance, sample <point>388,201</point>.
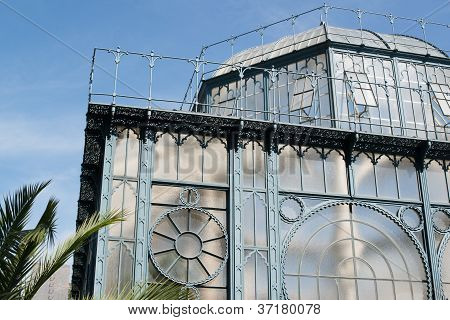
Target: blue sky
<point>44,84</point>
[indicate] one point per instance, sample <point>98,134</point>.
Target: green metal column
<point>236,229</point>
<point>143,209</point>
<point>274,231</point>
<point>105,204</point>
<point>432,253</point>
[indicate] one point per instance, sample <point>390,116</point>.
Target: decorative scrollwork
<point>180,242</point>
<point>401,216</point>
<point>446,215</point>
<point>300,211</point>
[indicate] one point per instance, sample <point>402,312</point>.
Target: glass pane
<point>336,173</point>
<point>253,165</point>
<point>132,154</point>
<point>129,208</point>
<point>126,267</point>
<point>437,186</point>
<point>312,171</point>
<point>190,160</point>
<point>407,180</point>
<point>289,169</point>
<point>215,162</point>
<point>165,158</point>
<point>112,267</point>
<point>120,153</point>
<point>386,178</point>
<point>364,176</point>
<point>255,220</point>
<point>353,252</point>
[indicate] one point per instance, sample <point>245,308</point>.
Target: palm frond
<point>47,222</point>
<point>17,255</point>
<point>162,290</point>
<point>51,263</point>
<point>14,215</point>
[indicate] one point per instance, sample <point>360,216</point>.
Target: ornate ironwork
<point>188,243</point>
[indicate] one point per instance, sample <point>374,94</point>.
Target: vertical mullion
<point>401,113</point>
<point>331,74</point>
<point>430,244</point>
<point>143,210</point>
<point>237,250</point>
<point>273,227</point>
<point>105,204</point>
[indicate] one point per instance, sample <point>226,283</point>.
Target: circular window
<point>188,244</point>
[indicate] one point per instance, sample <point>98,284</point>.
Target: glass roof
<point>323,33</point>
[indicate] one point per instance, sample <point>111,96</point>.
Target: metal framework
<point>346,143</point>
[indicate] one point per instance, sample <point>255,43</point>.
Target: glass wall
<point>121,236</point>
<point>189,213</point>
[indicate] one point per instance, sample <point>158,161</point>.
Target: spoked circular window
<point>188,244</point>
<point>350,250</point>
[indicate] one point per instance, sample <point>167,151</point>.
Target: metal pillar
<point>274,230</point>
<point>143,209</point>
<point>105,204</point>
<point>430,243</point>
<point>236,229</point>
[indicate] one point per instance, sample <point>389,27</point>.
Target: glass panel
<point>120,153</point>
<point>256,275</point>
<point>165,158</point>
<point>312,171</point>
<point>112,267</point>
<point>126,266</point>
<point>289,169</point>
<point>126,157</point>
<point>407,180</point>
<point>353,252</point>
<point>215,162</point>
<point>364,176</point>
<point>255,220</point>
<point>190,160</point>
<point>132,154</point>
<point>386,178</point>
<point>124,199</point>
<point>336,173</point>
<point>437,185</point>
<point>253,165</point>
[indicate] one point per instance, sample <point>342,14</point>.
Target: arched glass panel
<point>350,251</point>
<point>255,219</point>
<point>336,173</point>
<point>253,165</point>
<point>256,275</point>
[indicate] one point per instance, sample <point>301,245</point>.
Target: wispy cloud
<point>25,135</point>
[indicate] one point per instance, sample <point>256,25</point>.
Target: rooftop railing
<point>156,81</point>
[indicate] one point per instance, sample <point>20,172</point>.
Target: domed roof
<point>309,38</point>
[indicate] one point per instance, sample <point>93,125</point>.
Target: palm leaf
<point>51,263</point>
<point>18,255</point>
<point>162,290</point>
